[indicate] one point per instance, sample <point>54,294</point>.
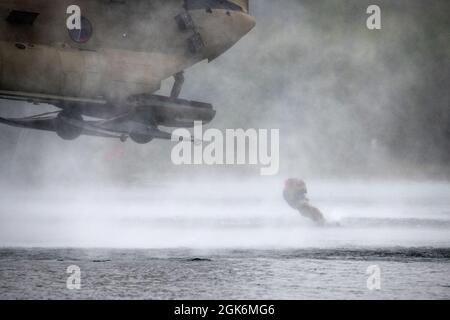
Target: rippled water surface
<point>227,274</point>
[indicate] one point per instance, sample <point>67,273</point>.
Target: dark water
<point>406,273</point>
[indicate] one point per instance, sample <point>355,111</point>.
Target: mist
<point>350,102</point>
<point>359,112</point>
<point>220,215</point>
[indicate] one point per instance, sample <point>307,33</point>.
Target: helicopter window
<point>84,34</point>
<point>22,17</point>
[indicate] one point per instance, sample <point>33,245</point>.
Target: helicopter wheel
<point>65,130</point>
<point>141,138</point>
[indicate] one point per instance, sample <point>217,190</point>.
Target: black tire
<point>65,130</point>
<point>141,138</point>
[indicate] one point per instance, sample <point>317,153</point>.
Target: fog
<point>349,101</point>
<point>351,105</point>
<point>218,215</point>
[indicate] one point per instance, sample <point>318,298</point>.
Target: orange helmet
<point>295,184</point>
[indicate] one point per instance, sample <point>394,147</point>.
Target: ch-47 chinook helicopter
<point>108,68</point>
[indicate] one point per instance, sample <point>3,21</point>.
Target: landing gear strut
<point>178,85</point>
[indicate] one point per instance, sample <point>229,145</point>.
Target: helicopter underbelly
<point>110,74</point>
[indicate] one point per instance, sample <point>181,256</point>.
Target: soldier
<point>295,195</point>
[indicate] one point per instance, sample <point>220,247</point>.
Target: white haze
<point>352,105</point>
<point>226,214</point>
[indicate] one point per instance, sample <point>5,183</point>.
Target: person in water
<point>295,195</point>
